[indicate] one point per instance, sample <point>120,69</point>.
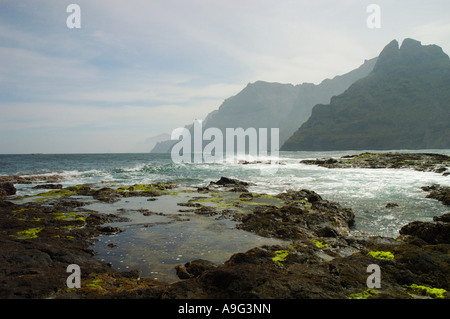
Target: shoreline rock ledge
<point>320,259</point>
<point>425,162</point>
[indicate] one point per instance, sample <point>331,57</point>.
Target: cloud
<point>22,116</point>
<point>25,64</point>
<point>139,68</point>
<point>122,127</point>
<point>437,32</point>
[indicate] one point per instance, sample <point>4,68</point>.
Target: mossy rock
<point>383,255</point>
<point>435,293</point>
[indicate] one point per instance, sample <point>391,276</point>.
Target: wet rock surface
<point>38,242</point>
<point>306,215</point>
<point>29,179</point>
<point>441,193</point>
<point>321,258</point>
<point>436,232</point>
<point>426,162</point>
<point>7,189</point>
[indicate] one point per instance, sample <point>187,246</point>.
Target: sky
<point>138,68</point>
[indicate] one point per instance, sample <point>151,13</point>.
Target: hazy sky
<point>136,69</point>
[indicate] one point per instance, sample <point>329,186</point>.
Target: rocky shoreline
<point>425,162</point>
<point>41,235</point>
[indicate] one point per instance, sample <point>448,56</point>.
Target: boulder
<point>436,232</point>
<point>7,189</point>
<point>441,193</point>
<point>229,182</point>
<point>194,268</point>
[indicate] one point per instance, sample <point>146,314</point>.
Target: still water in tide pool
<point>156,243</point>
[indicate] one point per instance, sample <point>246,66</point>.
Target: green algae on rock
<point>319,244</point>
<point>383,255</point>
<point>280,256</point>
<point>435,293</point>
<point>366,294</point>
<point>29,233</point>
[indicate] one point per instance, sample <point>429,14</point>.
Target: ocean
<point>156,249</point>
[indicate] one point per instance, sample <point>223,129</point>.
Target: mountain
<point>151,142</point>
<point>275,105</point>
<point>404,103</point>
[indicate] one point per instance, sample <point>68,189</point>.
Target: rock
<point>131,274</point>
<point>37,246</point>
<point>305,215</point>
<point>107,195</point>
<point>391,205</point>
<point>82,190</point>
<point>436,232</point>
<point>246,196</point>
<point>182,273</point>
<point>427,162</point>
<point>239,189</point>
<point>194,268</point>
<point>109,229</point>
<point>441,193</point>
<point>229,182</point>
<point>443,218</point>
<point>304,194</point>
<point>16,179</point>
<point>206,210</point>
<point>296,272</point>
<point>319,259</point>
<point>440,169</point>
<point>48,186</point>
<point>7,189</point>
<point>198,266</point>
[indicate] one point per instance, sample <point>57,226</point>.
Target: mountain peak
<point>402,104</point>
<point>410,54</point>
<point>409,44</point>
<point>389,56</point>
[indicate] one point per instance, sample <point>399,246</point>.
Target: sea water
<point>159,243</point>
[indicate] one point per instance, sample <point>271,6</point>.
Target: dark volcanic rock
<point>391,205</point>
<point>304,270</point>
<point>318,259</point>
<point>441,193</point>
<point>436,232</point>
<point>229,182</point>
<point>426,162</point>
<point>303,275</point>
<point>48,186</point>
<point>24,179</point>
<point>194,268</point>
<point>306,215</point>
<point>7,189</point>
<point>38,242</point>
<point>107,195</point>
